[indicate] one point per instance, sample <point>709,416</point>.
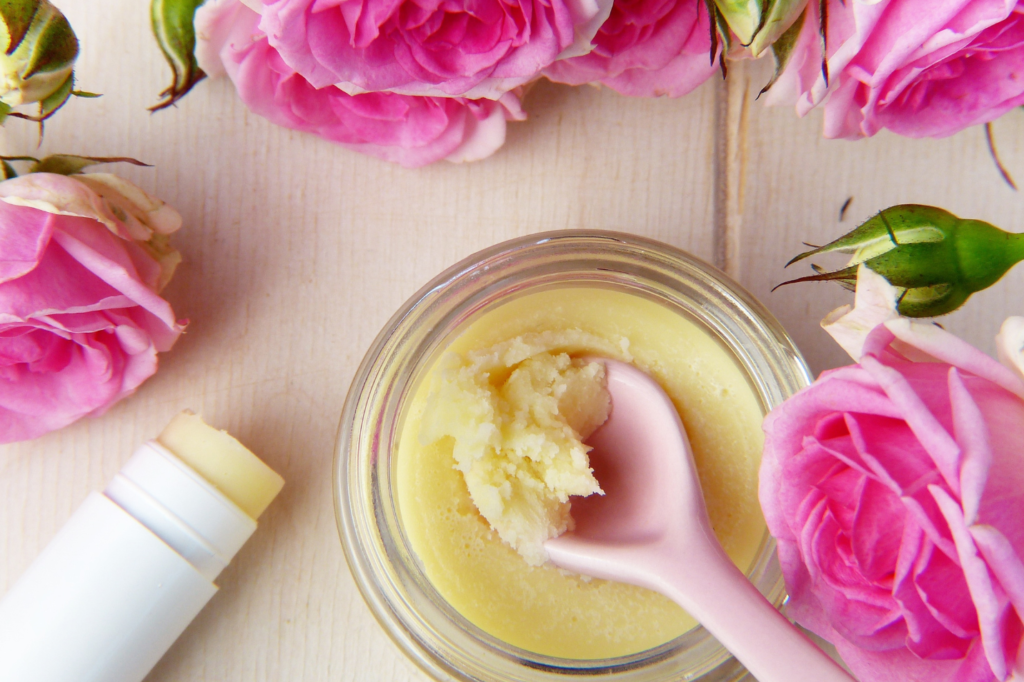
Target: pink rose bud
<point>935,259</point>
<point>37,54</point>
<point>895,489</point>
<point>82,261</point>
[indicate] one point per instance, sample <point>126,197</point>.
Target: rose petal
<point>96,252</point>
<point>946,347</point>
<point>928,430</point>
<point>877,531</point>
<point>926,636</point>
<point>429,49</point>
<point>412,131</point>
<point>986,598</point>
<point>972,435</point>
<point>60,195</point>
<point>942,587</point>
<point>24,234</point>
<point>1003,561</point>
<point>875,303</point>
<point>918,67</point>
<point>1010,344</point>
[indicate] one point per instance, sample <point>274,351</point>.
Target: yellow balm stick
<point>224,462</point>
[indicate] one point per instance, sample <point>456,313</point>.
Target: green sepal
<point>5,109</point>
<point>776,20</point>
<point>174,28</point>
<point>719,36</point>
<point>888,229</point>
<point>759,23</point>
<point>744,17</point>
<point>83,93</point>
<point>69,164</point>
<point>54,45</point>
<point>932,301</point>
<point>49,106</point>
<point>724,34</point>
<point>17,17</point>
<point>8,169</point>
<point>846,276</point>
<point>782,49</point>
<point>58,98</point>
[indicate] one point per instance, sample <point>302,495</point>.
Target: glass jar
<point>425,627</point>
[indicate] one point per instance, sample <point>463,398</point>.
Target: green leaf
<point>68,164</point>
<point>8,170</point>
<point>4,110</point>
<point>173,26</point>
<point>782,49</point>
<point>17,17</point>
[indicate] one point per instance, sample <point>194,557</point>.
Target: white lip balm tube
<point>136,563</point>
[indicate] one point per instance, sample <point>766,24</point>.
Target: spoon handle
<point>708,585</point>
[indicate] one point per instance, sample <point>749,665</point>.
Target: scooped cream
<point>518,413</point>
<point>543,609</point>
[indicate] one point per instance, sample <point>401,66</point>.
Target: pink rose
<point>921,68</point>
<point>646,48</point>
<point>480,48</point>
<point>413,131</point>
<point>81,261</point>
<point>895,489</point>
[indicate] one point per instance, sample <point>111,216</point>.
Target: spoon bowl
<point>651,529</point>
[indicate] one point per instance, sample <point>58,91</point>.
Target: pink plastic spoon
<point>651,529</point>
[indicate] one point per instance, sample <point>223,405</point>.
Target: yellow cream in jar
<point>539,607</point>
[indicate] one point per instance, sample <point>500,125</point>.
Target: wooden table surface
<point>297,251</point>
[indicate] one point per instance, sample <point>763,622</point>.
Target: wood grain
<point>297,252</point>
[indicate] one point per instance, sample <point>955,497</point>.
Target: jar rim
<point>370,537</point>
